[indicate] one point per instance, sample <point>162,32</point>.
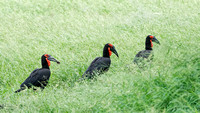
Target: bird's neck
<point>45,66</point>
<point>148,44</point>
<point>148,48</point>
<point>105,52</point>
<point>44,63</point>
<point>106,55</point>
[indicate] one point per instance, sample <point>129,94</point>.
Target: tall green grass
<point>74,32</point>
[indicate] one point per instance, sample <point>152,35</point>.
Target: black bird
<point>147,53</point>
<point>100,64</point>
<point>39,77</point>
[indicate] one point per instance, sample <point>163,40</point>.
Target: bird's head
<point>46,58</point>
<point>108,49</point>
<point>149,40</point>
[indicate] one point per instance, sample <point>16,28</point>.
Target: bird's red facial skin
<point>46,55</point>
<point>110,45</point>
<point>151,37</point>
<point>109,51</point>
<point>48,62</point>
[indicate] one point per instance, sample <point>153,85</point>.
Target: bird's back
<point>98,66</point>
<point>145,54</point>
<point>37,77</point>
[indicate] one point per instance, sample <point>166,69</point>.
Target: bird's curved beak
<point>53,59</point>
<point>114,51</point>
<point>155,40</point>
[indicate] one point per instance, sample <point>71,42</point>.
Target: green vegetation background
<point>75,31</point>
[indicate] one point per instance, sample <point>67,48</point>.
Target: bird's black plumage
<point>39,77</point>
<point>100,64</point>
<point>147,53</point>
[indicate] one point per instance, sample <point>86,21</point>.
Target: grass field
<point>75,31</point>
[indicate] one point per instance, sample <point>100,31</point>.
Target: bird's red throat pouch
<point>48,62</point>
<point>151,43</point>
<point>109,51</point>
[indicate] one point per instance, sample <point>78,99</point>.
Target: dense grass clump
<point>74,32</point>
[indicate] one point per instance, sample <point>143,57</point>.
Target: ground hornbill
<point>147,53</point>
<point>39,77</point>
<point>100,64</point>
